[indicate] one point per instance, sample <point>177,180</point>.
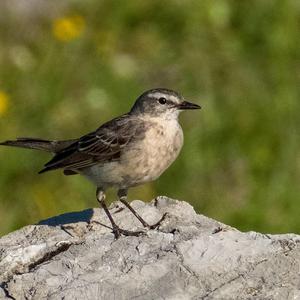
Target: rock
<point>73,256</point>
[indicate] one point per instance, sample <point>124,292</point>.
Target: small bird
<point>127,151</point>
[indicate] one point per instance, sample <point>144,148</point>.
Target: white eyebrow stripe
<point>158,95</point>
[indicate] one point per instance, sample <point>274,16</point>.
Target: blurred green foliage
<point>68,66</point>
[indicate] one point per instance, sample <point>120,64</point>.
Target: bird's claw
<point>117,231</point>
<point>157,223</point>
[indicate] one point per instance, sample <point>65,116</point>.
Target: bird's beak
<point>188,105</point>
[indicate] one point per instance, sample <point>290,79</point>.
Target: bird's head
<point>161,103</point>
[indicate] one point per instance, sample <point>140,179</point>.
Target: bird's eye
<point>162,100</point>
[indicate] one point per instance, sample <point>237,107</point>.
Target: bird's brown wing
<point>103,145</point>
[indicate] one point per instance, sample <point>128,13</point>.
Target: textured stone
<point>73,256</point>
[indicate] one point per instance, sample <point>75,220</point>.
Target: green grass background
<point>239,59</point>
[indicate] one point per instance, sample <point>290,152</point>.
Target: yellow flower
<point>4,99</point>
<point>68,28</point>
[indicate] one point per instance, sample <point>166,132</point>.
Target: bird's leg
<point>116,229</point>
<point>122,194</point>
<point>101,199</point>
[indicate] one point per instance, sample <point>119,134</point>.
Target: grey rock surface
<point>73,256</point>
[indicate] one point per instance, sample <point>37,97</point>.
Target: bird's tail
<point>39,144</point>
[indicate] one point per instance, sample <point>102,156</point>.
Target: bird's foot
<point>117,231</point>
<point>156,224</point>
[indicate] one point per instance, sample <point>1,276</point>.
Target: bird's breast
<point>149,157</point>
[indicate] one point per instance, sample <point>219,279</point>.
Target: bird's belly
<point>148,159</point>
<point>140,162</point>
<point>106,175</point>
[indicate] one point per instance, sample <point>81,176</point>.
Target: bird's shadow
<point>69,218</point>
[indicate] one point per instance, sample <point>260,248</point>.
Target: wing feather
<point>103,145</point>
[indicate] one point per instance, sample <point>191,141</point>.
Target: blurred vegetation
<point>68,66</point>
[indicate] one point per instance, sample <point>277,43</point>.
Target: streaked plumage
<point>101,146</point>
